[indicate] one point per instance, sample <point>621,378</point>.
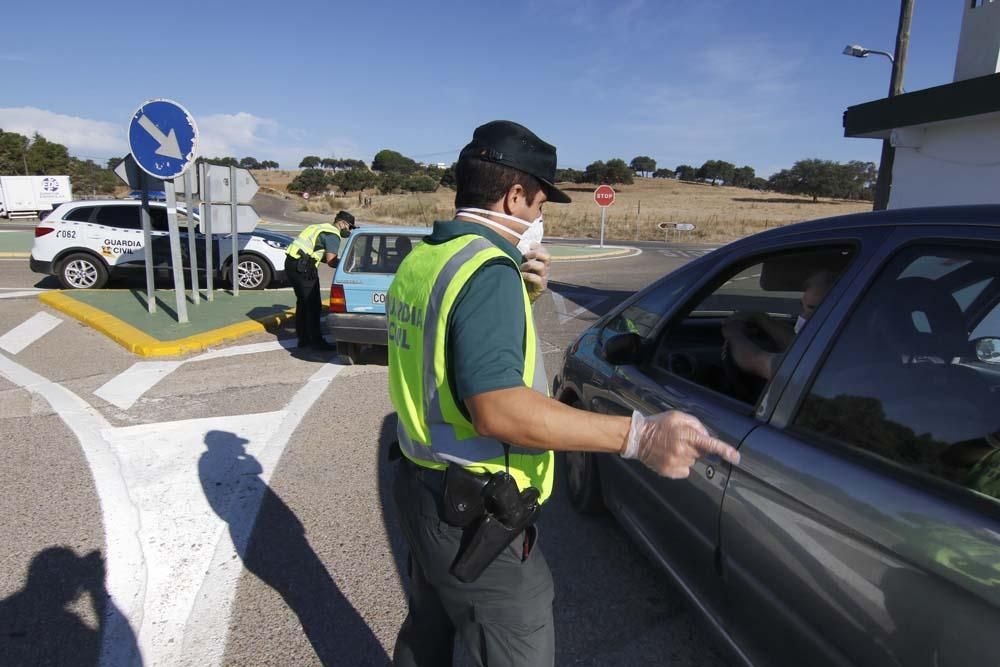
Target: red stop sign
<point>604,195</point>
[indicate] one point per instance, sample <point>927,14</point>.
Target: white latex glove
<point>535,270</point>
<point>670,442</point>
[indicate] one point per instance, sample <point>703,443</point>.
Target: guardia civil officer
<point>477,429</point>
<point>314,244</point>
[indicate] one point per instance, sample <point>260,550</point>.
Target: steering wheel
<point>741,384</point>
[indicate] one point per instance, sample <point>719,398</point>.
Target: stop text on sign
<point>604,195</point>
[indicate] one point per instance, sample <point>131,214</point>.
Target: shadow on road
<point>38,625</point>
<point>278,552</point>
<point>286,332</point>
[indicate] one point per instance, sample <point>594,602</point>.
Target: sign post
<point>206,221</point>
<point>189,199</point>
<point>225,208</point>
<point>604,195</point>
<point>175,251</point>
<point>147,244</point>
<point>234,267</point>
<point>163,140</point>
<point>137,179</point>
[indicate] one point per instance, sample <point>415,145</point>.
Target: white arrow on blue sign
<point>163,138</point>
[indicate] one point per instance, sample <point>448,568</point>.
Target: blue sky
<point>760,82</point>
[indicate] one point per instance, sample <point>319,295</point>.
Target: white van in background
<point>31,196</point>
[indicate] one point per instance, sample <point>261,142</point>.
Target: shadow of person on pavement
<point>277,552</point>
<point>38,625</point>
<point>284,331</point>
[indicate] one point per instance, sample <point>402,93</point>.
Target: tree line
<point>390,172</point>
<point>37,156</point>
<point>243,163</point>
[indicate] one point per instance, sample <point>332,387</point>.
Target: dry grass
<point>719,213</point>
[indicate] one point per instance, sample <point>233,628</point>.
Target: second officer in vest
<point>314,244</point>
<point>477,429</point>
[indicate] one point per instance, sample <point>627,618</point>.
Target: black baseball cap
<point>346,217</point>
<point>515,146</point>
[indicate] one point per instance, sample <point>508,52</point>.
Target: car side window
<point>122,217</point>
<point>914,377</point>
<point>158,219</point>
<point>731,337</point>
<point>642,315</point>
<point>81,214</point>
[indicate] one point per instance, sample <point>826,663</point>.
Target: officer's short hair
<point>480,184</point>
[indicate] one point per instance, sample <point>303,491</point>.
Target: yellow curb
<point>618,253</point>
<point>140,343</point>
<point>15,254</point>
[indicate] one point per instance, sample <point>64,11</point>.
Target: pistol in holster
<point>491,510</point>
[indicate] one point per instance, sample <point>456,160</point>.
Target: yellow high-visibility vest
<point>305,242</point>
<point>432,429</point>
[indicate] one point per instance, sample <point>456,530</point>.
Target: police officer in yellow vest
<point>476,427</point>
<point>314,244</point>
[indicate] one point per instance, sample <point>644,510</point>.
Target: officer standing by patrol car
<point>314,244</point>
<point>476,427</point>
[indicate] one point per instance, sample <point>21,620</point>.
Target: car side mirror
<point>988,350</point>
<point>623,348</point>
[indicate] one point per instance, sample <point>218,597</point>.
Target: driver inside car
<point>751,357</point>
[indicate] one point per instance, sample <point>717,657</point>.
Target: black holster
<point>505,512</point>
<point>463,496</point>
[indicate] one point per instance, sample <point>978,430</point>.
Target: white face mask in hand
<point>799,323</point>
<point>534,233</point>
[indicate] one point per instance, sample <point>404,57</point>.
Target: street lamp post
<point>884,182</point>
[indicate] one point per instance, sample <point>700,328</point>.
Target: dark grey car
<point>862,526</point>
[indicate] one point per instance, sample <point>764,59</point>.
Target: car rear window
<point>378,253</point>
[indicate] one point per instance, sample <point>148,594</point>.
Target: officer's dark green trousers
<point>503,618</point>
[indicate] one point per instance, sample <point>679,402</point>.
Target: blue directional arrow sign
<point>163,138</point>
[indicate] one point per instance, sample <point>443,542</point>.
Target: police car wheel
<point>254,273</point>
<point>82,271</point>
<point>583,482</point>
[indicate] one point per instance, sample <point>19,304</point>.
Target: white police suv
<point>84,243</point>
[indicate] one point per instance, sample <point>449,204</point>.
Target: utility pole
<point>884,182</point>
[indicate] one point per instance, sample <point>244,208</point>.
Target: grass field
<point>718,213</point>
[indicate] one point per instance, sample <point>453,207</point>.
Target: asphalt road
<point>159,467</point>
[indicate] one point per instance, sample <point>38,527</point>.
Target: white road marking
<point>126,388</point>
<point>126,566</point>
<point>28,332</point>
<point>179,530</point>
<point>253,348</point>
<point>172,560</point>
<point>20,294</point>
<point>689,254</point>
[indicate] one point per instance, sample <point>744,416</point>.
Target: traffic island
<point>569,253</point>
<point>121,315</point>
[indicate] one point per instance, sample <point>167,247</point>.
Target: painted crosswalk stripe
<point>124,389</point>
<point>19,294</point>
<point>28,332</point>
